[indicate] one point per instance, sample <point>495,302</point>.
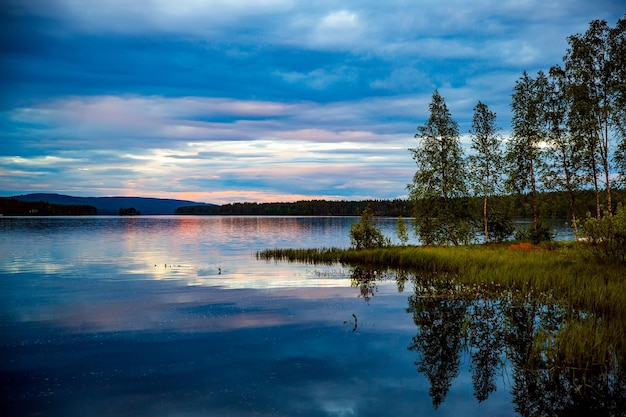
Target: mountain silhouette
<point>112,205</point>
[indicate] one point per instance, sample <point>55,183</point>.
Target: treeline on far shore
<point>551,204</point>
<point>13,207</point>
<point>392,208</point>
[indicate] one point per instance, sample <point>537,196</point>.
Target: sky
<point>255,100</point>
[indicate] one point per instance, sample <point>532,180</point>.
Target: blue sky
<point>255,100</point>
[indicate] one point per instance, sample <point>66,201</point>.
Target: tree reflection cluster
<point>556,360</point>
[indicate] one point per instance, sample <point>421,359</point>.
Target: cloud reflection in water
<point>110,333</point>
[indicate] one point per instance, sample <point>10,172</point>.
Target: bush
<point>500,226</point>
<point>365,234</point>
<point>402,231</point>
<point>607,236</point>
<point>542,234</point>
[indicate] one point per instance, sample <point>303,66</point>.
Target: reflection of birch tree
<point>486,339</point>
<point>546,382</point>
<point>549,376</point>
<point>519,340</point>
<point>439,340</point>
<point>365,280</point>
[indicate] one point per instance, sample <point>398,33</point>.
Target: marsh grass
<point>564,271</point>
<point>594,338</point>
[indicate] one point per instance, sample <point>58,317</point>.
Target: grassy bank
<point>564,272</point>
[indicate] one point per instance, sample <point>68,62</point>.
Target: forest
<point>552,205</point>
<point>568,134</point>
<point>14,207</point>
<point>392,208</point>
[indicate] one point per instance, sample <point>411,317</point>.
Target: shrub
<point>365,234</point>
<point>402,231</point>
<point>607,236</point>
<point>542,234</point>
<point>500,226</point>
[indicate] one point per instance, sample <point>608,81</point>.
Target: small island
<point>130,211</point>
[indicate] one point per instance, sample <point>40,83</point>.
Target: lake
<point>175,316</point>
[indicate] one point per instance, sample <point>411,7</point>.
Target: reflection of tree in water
<point>527,393</point>
<point>547,382</point>
<point>401,278</point>
<point>486,340</point>
<point>564,362</point>
<point>439,339</point>
<point>365,280</point>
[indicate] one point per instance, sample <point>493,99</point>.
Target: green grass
<point>564,272</point>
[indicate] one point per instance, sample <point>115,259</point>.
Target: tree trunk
<point>607,173</point>
<point>485,222</point>
<point>594,174</point>
<point>570,191</point>
<point>597,190</point>
<point>446,202</point>
<point>534,196</point>
<point>571,209</point>
<point>451,234</point>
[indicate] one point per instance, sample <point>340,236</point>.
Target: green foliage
<point>595,66</point>
<point>607,236</point>
<point>550,204</point>
<point>365,234</point>
<point>428,226</point>
<point>500,226</point>
<point>465,231</point>
<point>436,226</point>
<point>620,161</point>
<point>523,150</point>
<point>440,176</point>
<point>202,210</point>
<point>402,231</point>
<point>524,154</point>
<point>565,156</point>
<point>535,234</point>
<point>486,163</point>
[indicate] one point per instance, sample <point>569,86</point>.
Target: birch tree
<point>595,68</point>
<point>487,162</point>
<point>440,177</point>
<point>566,152</point>
<point>523,153</point>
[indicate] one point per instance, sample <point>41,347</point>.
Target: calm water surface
<point>175,316</point>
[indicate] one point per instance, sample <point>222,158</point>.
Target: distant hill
<point>112,205</point>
